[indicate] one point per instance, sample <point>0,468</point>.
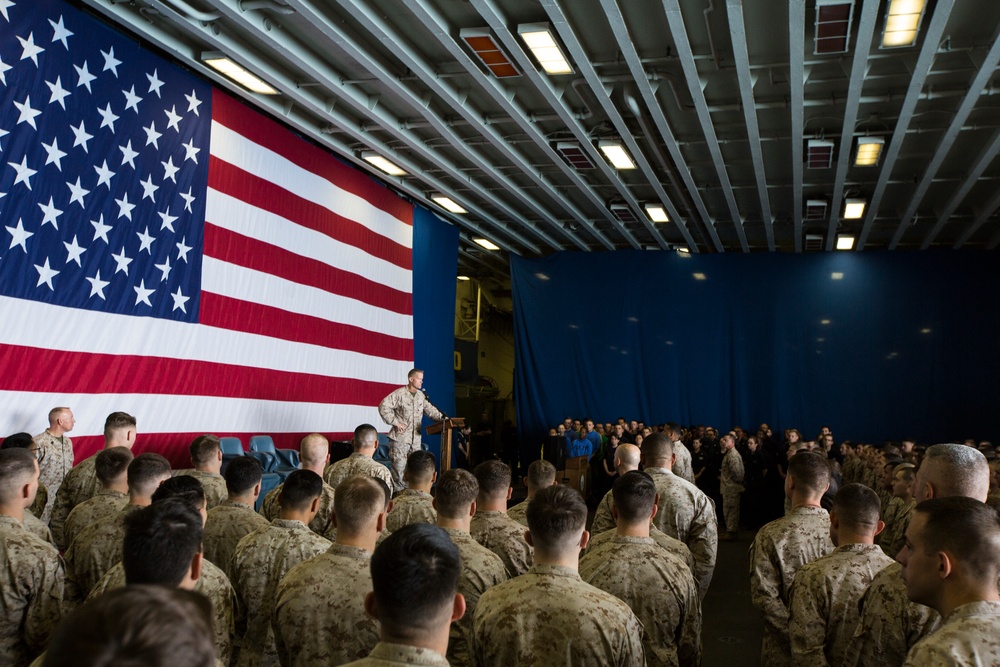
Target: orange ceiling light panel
<point>484,45</point>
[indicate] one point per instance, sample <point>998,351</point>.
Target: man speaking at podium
<point>403,409</point>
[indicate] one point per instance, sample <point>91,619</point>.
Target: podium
<point>445,428</point>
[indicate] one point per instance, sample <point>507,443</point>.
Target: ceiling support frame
<point>797,83</point>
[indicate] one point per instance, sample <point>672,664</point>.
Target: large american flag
<point>168,252</point>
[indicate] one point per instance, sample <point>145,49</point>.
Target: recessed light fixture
<point>869,151</point>
<point>574,154</point>
<point>656,213</point>
<point>381,163</point>
<point>816,209</point>
<point>925,330</point>
<point>819,154</point>
<point>463,278</point>
<point>486,243</point>
<point>833,26</point>
<point>446,203</point>
<point>683,249</point>
<point>854,209</point>
<point>221,63</point>
<point>541,276</point>
<point>616,154</point>
<point>902,23</point>
<point>836,275</point>
<point>539,39</point>
<point>698,276</point>
<point>845,241</point>
<point>623,212</point>
<point>824,322</point>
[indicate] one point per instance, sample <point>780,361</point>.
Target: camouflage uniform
<point>659,588</point>
<point>481,569</point>
<point>226,525</point>
<point>890,624</point>
<point>80,484</point>
<point>731,483</point>
<point>504,537</point>
<point>55,461</point>
<point>213,483</point>
<point>519,512</point>
<point>407,408</point>
<point>260,561</point>
<point>356,464</point>
<point>550,616</point>
<point>682,464</point>
<point>213,584</point>
<point>41,500</point>
<point>94,551</point>
<point>410,506</point>
<point>319,613</point>
<point>970,635</point>
<point>897,519</point>
<point>322,523</point>
<point>34,525</point>
<point>389,655</point>
<point>660,539</point>
<point>90,511</point>
<point>823,609</point>
<point>604,520</point>
<point>687,514</point>
<point>31,592</point>
<point>779,550</point>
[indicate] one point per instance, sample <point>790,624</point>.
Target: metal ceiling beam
<point>284,109</point>
<point>859,67</point>
<point>292,50</point>
<point>982,216</point>
<point>627,48</point>
<point>994,242</point>
<point>976,86</point>
<point>979,166</point>
<point>738,34</point>
<point>682,44</point>
<point>796,83</point>
<point>932,39</point>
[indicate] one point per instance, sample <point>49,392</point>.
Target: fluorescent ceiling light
<point>616,154</point>
<point>845,242</point>
<point>698,276</point>
<point>538,37</point>
<point>463,278</point>
<point>447,204</point>
<point>221,63</point>
<point>683,249</point>
<point>483,44</point>
<point>486,243</point>
<point>837,275</point>
<point>381,163</point>
<point>902,23</point>
<point>824,322</point>
<point>656,213</point>
<point>854,209</point>
<point>869,151</point>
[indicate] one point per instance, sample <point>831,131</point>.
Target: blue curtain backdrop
<point>875,345</point>
<point>435,264</point>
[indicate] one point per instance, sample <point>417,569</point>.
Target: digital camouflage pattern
<point>660,539</point>
<point>322,523</point>
<point>519,512</point>
<point>356,464</point>
<point>213,483</point>
<point>897,519</point>
<point>34,525</point>
<point>604,520</point>
<point>504,537</point>
<point>225,526</point>
<point>550,616</point>
<point>659,588</point>
<point>683,467</point>
<point>410,506</point>
<point>407,408</point>
<point>94,551</point>
<point>970,635</point>
<point>41,501</point>
<point>823,608</point>
<point>80,484</point>
<point>92,510</point>
<point>55,460</point>
<point>731,484</point>
<point>390,655</point>
<point>778,551</point>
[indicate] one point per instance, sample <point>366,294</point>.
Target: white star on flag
<point>164,269</point>
<point>193,102</point>
<point>188,200</point>
<point>81,137</point>
<point>27,114</point>
<point>4,68</point>
<point>122,261</point>
<point>142,294</point>
<point>110,62</point>
<point>166,220</point>
<point>97,285</point>
<point>128,155</point>
<point>100,229</point>
<point>154,83</point>
<point>60,33</point>
<point>173,118</point>
<point>55,155</point>
<point>152,136</point>
<point>77,193</point>
<point>85,77</point>
<point>24,173</point>
<point>132,100</point>
<point>29,48</point>
<point>124,208</point>
<point>145,241</point>
<point>19,236</point>
<point>108,117</point>
<point>183,250</point>
<point>104,175</point>
<point>169,170</point>
<point>45,275</point>
<point>179,300</point>
<point>190,152</point>
<point>51,214</point>
<point>4,6</point>
<point>58,93</point>
<point>148,189</point>
<point>74,250</point>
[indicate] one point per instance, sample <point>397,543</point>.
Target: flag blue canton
<point>103,167</point>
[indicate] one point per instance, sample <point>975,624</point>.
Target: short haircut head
<point>146,472</point>
<point>299,490</point>
<point>493,478</point>
<point>154,626</point>
<point>658,447</point>
<point>811,470</point>
<point>242,474</point>
<point>357,503</point>
<point>117,421</point>
<point>17,468</point>
<point>314,449</point>
<point>556,517</point>
<point>541,473</point>
<point>456,491</point>
<point>420,465</point>
<point>965,528</point>
<point>55,414</point>
<point>365,436</point>
<point>185,488</point>
<point>204,449</point>
<point>111,464</point>
<point>955,470</point>
<point>857,506</point>
<point>160,541</point>
<point>413,371</point>
<point>19,440</point>
<point>634,494</point>
<point>415,575</point>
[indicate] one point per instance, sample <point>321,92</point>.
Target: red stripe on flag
<point>235,248</point>
<point>86,373</point>
<point>262,194</point>
<point>272,136</point>
<point>228,313</point>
